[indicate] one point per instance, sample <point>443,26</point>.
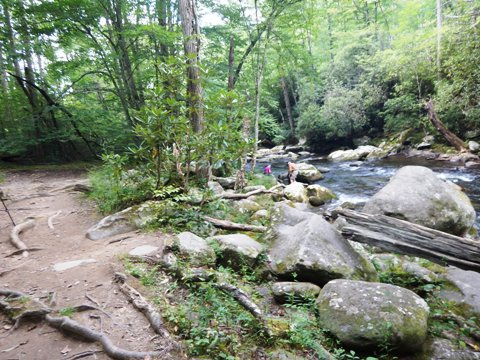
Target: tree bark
<point>231,60</point>
<point>228,225</point>
<point>191,43</point>
<point>286,97</point>
<point>411,239</point>
<point>451,137</point>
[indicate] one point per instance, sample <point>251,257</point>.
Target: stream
<point>356,181</point>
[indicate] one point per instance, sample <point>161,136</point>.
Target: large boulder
<point>247,206</point>
<point>307,247</point>
<point>194,249</point>
<point>226,182</point>
<point>367,315</point>
<point>295,192</point>
<point>308,173</point>
<point>417,195</point>
<point>122,222</point>
<point>237,250</point>
<point>465,289</point>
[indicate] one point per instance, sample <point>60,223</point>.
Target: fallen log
<point>15,235</point>
<point>410,239</point>
<point>228,225</point>
<point>240,196</point>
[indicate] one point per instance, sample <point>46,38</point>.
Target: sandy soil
<point>42,194</point>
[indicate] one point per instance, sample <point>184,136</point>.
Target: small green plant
<point>68,312</point>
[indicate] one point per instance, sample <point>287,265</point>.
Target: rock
<point>226,182</point>
<point>122,222</point>
<point>359,153</point>
<point>472,134</point>
<point>468,284</point>
<point>215,187</point>
<point>464,158</point>
<point>71,264</point>
<point>144,250</point>
<point>194,249</point>
<point>319,195</point>
<point>304,153</point>
<point>237,249</point>
<point>443,349</point>
<point>306,245</point>
<point>293,156</point>
<point>247,206</point>
<point>424,145</point>
<point>473,146</point>
<point>308,173</point>
<point>294,148</point>
<point>285,291</point>
<point>367,315</point>
<point>393,263</point>
<point>417,195</point>
<point>472,164</point>
<point>195,196</point>
<point>260,214</point>
<point>283,355</point>
<point>295,192</point>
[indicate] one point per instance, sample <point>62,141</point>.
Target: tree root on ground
<point>228,225</point>
<point>19,306</point>
<point>141,304</point>
<point>50,219</point>
<point>15,235</point>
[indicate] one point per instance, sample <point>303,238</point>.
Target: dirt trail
<point>42,194</point>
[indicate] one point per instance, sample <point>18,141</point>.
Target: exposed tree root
<point>15,235</point>
<point>239,196</point>
<point>15,302</point>
<point>50,219</point>
<point>228,225</point>
<point>246,302</point>
<point>17,252</point>
<point>141,304</point>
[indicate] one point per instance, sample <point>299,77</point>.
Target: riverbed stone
<point>296,192</point>
<point>366,315</point>
<point>144,250</point>
<point>308,247</point>
<point>359,153</point>
<point>226,182</point>
<point>237,249</point>
<point>417,195</point>
<point>308,173</point>
<point>215,187</point>
<point>247,206</point>
<point>287,290</point>
<point>194,249</point>
<point>473,146</point>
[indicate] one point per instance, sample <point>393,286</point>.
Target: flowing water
<point>356,182</point>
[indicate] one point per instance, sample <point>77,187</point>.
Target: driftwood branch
<point>228,225</point>
<point>15,235</point>
<point>239,196</point>
<point>64,324</point>
<point>411,239</point>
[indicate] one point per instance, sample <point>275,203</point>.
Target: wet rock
<point>194,249</point>
<point>473,146</point>
<point>359,153</point>
<point>237,249</point>
<point>417,195</point>
<point>306,245</point>
<point>226,182</point>
<point>319,195</point>
<point>367,315</point>
<point>285,291</point>
<point>215,187</point>
<point>295,192</point>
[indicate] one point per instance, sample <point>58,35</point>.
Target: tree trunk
<point>451,137</point>
<point>411,239</point>
<point>231,60</point>
<point>7,116</point>
<point>286,97</point>
<point>191,43</point>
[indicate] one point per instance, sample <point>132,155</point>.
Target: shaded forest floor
<point>42,194</point>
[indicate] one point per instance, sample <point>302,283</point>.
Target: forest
<point>132,137</point>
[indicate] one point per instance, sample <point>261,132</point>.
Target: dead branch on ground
<point>15,235</point>
<point>228,225</point>
<point>50,219</point>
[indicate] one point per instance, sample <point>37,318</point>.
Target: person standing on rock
<point>267,170</point>
<point>292,172</point>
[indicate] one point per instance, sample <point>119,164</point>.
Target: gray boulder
<point>417,195</point>
<point>295,192</point>
<point>359,153</point>
<point>194,249</point>
<point>122,222</point>
<point>284,291</point>
<point>308,246</point>
<point>215,187</point>
<point>260,214</point>
<point>443,349</point>
<point>473,146</point>
<point>237,249</point>
<point>247,206</point>
<point>367,315</point>
<point>226,182</point>
<point>308,173</point>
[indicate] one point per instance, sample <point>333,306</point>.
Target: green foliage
<point>68,312</point>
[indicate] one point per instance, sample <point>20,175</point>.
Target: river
<point>356,182</point>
